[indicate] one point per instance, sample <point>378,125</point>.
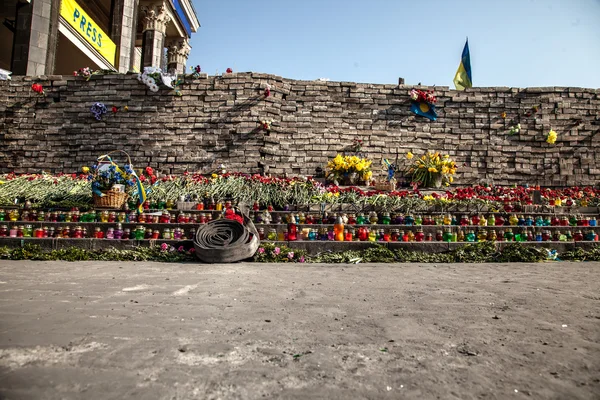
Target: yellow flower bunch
<point>431,167</point>
<point>551,137</point>
<point>341,166</point>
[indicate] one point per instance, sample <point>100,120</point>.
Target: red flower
<point>149,170</point>
<point>36,87</point>
<point>114,109</point>
<point>229,70</point>
<point>234,217</point>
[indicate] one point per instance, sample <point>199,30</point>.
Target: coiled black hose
<point>225,241</point>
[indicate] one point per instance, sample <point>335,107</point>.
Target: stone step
<point>311,247</point>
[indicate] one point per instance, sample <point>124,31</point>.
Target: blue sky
<point>517,43</point>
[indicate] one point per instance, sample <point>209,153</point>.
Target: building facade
<point>43,37</point>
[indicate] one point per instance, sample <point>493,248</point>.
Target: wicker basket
<point>387,186</point>
<point>111,199</point>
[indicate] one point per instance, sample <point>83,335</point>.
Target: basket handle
<point>102,157</point>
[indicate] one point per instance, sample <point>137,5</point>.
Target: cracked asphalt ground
<point>109,330</point>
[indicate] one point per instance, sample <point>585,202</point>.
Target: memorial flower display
<point>87,73</point>
<point>349,169</point>
<point>74,190</point>
<point>36,87</point>
<point>551,137</point>
<point>98,110</point>
<point>431,170</point>
<point>196,71</point>
<point>265,124</point>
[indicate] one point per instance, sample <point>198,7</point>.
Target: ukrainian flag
<point>463,79</point>
<point>424,110</point>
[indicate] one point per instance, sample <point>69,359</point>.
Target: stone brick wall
<point>216,119</point>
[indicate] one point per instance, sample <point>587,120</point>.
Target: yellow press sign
<point>88,29</point>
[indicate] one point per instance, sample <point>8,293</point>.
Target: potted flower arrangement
<point>349,170</point>
<point>431,170</point>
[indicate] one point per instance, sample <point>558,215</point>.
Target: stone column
<point>155,24</point>
<point>123,30</point>
<point>178,51</point>
<point>34,46</point>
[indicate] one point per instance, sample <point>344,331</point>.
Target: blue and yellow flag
<point>424,110</point>
<point>463,79</point>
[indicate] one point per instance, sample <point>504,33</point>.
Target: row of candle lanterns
<point>338,233</point>
<point>81,232</point>
<point>341,232</point>
<point>265,217</point>
<point>164,217</point>
<point>427,220</point>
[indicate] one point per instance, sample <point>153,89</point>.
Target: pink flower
<point>164,247</point>
<point>192,250</point>
<point>291,255</point>
<point>301,259</point>
<point>277,250</point>
<point>180,249</point>
<point>261,250</point>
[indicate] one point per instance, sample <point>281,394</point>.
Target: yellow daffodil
<point>409,155</point>
<point>214,175</point>
<point>552,136</point>
<point>432,169</point>
<point>85,170</point>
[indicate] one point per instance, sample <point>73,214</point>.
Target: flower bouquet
<point>431,170</point>
<point>423,96</point>
<point>551,137</point>
<point>265,124</point>
<point>153,77</point>
<point>109,181</point>
<point>349,170</point>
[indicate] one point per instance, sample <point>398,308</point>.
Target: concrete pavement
<point>108,330</point>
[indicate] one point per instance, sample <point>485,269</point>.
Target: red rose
<point>37,88</point>
<point>114,109</point>
<point>229,70</point>
<point>149,171</point>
